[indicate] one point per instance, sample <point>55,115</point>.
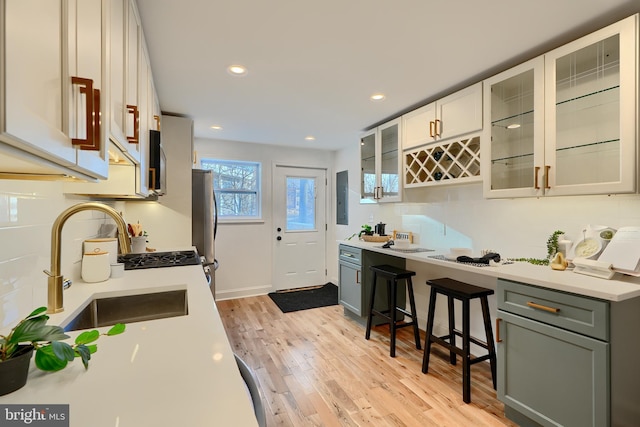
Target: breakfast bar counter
<point>620,288</point>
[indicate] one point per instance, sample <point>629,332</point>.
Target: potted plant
<point>366,229</point>
<point>33,334</point>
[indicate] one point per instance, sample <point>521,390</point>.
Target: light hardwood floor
<point>316,369</point>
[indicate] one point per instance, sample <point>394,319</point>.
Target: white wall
<point>168,221</point>
<point>459,216</point>
<point>245,249</point>
<point>27,212</point>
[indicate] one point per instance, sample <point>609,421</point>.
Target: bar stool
<point>393,275</point>
<point>465,293</point>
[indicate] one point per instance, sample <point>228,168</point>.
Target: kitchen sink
<point>108,311</point>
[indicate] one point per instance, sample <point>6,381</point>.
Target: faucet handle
<point>47,272</point>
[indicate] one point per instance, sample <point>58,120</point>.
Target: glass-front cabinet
<point>565,123</point>
<point>380,164</point>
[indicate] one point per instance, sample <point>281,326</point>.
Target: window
<point>237,188</point>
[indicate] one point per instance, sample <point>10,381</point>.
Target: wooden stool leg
<point>489,331</point>
<point>373,298</point>
<point>392,287</point>
<point>414,315</point>
<point>466,349</point>
<point>429,332</point>
<point>452,325</point>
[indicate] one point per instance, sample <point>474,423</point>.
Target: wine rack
<point>447,163</point>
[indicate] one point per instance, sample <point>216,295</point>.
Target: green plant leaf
<point>28,330</point>
<point>117,329</point>
<point>37,311</point>
<point>87,337</point>
<point>52,333</point>
<point>92,348</point>
<point>85,354</point>
<point>62,350</point>
<point>48,361</point>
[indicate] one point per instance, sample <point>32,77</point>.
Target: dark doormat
<point>304,299</point>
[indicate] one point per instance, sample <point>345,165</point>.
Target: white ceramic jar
<point>96,266</point>
<point>103,245</point>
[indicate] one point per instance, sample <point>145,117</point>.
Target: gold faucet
<point>54,297</point>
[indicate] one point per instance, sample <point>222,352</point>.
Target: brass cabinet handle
<point>92,115</point>
<point>436,127</point>
<point>86,88</point>
<point>152,179</point>
<point>97,123</point>
<point>431,131</point>
<point>357,276</point>
<point>348,255</point>
<point>542,307</point>
<point>498,320</point>
<point>157,119</point>
<point>133,109</point>
<point>536,170</point>
<point>546,177</point>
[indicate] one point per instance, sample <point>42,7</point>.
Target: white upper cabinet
<point>565,123</point>
<point>451,116</point>
<point>124,63</point>
<point>513,141</point>
<point>52,67</point>
<point>85,83</point>
<point>380,163</point>
<point>591,113</point>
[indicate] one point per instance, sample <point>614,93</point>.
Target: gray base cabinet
<point>565,359</point>
<point>356,281</point>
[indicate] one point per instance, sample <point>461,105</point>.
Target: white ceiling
<point>313,64</point>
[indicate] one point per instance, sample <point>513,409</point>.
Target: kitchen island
<point>162,373</point>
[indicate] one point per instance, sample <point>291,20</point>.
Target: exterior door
<point>299,221</point>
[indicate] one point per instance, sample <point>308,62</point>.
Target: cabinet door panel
<point>513,135</point>
<point>87,63</point>
<point>33,69</point>
<point>418,126</point>
<point>552,376</point>
<point>116,72</point>
<point>591,113</point>
<point>460,112</point>
<point>351,287</point>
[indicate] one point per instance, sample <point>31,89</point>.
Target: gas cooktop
<point>159,259</point>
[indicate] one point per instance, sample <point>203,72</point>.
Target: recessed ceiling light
<point>377,97</point>
<point>513,126</point>
<point>310,138</point>
<point>216,127</point>
<point>237,70</point>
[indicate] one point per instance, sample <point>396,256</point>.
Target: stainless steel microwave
<point>157,164</point>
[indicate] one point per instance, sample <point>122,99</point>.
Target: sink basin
<point>130,309</point>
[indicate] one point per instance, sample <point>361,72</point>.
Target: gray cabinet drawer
<point>350,254</point>
<point>575,313</point>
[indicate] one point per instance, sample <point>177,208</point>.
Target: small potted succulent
<point>33,334</point>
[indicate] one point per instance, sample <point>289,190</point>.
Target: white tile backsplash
<point>27,212</point>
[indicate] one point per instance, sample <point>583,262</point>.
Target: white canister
<point>96,266</point>
<point>103,245</point>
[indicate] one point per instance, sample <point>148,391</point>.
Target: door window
<point>301,203</point>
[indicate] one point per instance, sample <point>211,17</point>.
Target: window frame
<point>209,163</point>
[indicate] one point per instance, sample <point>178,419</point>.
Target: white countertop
<point>620,288</point>
<point>170,372</point>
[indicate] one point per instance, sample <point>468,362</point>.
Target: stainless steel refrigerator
<point>204,218</point>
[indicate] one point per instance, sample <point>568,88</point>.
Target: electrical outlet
<point>371,218</point>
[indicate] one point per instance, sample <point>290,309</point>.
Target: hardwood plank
<point>315,368</point>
